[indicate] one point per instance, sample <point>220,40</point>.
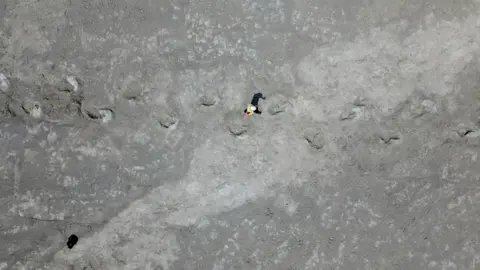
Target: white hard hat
<point>253,108</point>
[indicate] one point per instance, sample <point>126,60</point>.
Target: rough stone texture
<point>278,104</point>
<point>133,92</point>
<point>166,118</point>
<point>235,124</point>
<point>32,108</point>
<point>315,138</point>
<point>207,100</point>
<point>237,128</point>
<point>193,196</point>
<point>69,84</point>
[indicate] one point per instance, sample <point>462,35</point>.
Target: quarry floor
<point>120,122</point>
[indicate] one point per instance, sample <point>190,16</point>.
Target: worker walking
<point>253,106</point>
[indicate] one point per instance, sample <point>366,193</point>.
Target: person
<point>253,106</point>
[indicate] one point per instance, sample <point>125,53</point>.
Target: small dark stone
<point>72,240</point>
<point>389,138</point>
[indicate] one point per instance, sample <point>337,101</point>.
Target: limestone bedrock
<point>121,123</point>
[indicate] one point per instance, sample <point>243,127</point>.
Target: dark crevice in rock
<point>465,133</point>
<point>63,221</point>
<point>103,114</point>
<point>28,106</point>
<point>316,140</point>
<point>347,115</point>
<point>389,139</point>
<point>9,110</point>
<point>92,115</point>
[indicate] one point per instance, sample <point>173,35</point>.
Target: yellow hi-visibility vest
<point>249,109</point>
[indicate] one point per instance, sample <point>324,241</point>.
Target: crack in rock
<point>14,108</point>
<point>467,130</point>
<point>469,133</point>
<point>315,139</point>
<point>388,139</point>
<point>348,115</point>
<point>63,221</point>
<point>104,115</point>
<point>464,132</point>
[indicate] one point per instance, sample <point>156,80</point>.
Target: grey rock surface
<point>207,100</point>
<point>126,159</point>
<point>278,104</point>
<point>166,118</point>
<point>235,124</point>
<point>133,91</point>
<point>315,138</point>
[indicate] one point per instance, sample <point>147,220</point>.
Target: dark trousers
<point>256,98</point>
